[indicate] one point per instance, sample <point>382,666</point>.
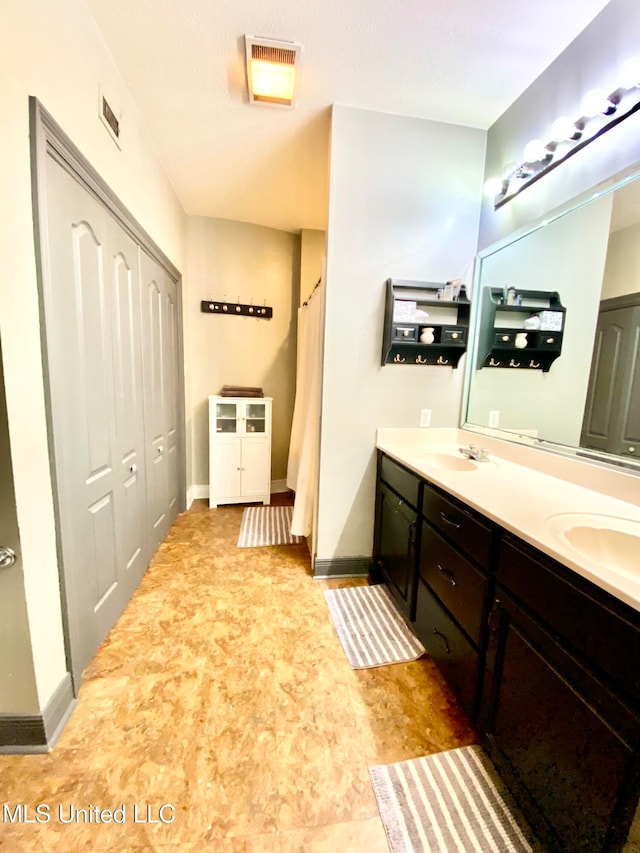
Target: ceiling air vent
<point>272,70</point>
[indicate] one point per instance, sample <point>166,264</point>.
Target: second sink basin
<point>607,541</point>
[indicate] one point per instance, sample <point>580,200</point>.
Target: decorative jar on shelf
<point>427,336</point>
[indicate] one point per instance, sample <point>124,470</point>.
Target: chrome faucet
<point>480,454</point>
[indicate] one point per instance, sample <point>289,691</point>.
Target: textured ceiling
<point>460,61</point>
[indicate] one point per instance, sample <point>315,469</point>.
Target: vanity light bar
<point>600,113</point>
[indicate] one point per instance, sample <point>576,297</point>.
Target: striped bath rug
<point>452,800</point>
<point>267,525</point>
<point>371,630</point>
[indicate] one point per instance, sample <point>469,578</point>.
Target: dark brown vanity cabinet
<point>454,591</point>
<point>396,533</point>
<point>545,663</point>
<point>558,714</point>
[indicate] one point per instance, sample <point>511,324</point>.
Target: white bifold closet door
<point>112,355</point>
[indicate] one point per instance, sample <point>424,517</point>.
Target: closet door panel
<point>79,310</point>
<point>159,361</point>
<point>170,349</point>
<point>133,550</point>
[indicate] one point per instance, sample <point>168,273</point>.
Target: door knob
<point>7,557</point>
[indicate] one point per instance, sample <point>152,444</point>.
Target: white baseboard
<point>195,493</point>
<point>198,492</point>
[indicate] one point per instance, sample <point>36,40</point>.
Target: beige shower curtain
<point>305,428</point>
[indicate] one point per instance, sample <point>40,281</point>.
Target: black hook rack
<point>236,309</point>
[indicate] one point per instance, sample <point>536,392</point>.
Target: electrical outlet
<point>494,418</point>
<point>425,417</point>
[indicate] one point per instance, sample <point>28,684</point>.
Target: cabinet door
<point>226,418</point>
<point>225,467</point>
<point>255,418</point>
<point>556,735</point>
<point>396,557</point>
<point>255,467</point>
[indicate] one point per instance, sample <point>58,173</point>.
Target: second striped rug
<point>267,525</point>
<point>453,800</point>
<point>371,630</point>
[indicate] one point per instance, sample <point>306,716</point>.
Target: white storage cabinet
<point>239,450</point>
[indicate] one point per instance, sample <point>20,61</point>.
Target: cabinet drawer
<point>405,333</point>
<point>453,335</point>
<point>453,654</point>
<point>468,532</point>
<point>405,483</point>
<point>458,584</point>
<point>602,630</point>
<point>504,339</point>
<point>549,340</point>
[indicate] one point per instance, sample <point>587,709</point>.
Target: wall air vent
<point>272,70</point>
<point>110,115</point>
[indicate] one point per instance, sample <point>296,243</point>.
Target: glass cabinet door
<point>256,417</point>
<point>226,417</point>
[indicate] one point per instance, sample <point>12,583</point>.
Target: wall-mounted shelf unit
<point>422,327</point>
<point>524,334</point>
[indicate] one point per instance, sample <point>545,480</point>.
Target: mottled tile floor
<point>223,695</point>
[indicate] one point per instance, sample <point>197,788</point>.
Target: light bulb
<point>596,101</point>
<point>630,73</point>
<point>563,128</point>
<point>493,187</point>
<point>535,151</point>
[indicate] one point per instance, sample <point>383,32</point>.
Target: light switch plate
<point>494,418</point>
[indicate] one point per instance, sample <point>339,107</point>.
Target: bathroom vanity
<point>539,643</point>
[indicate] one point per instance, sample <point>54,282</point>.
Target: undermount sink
<point>444,460</point>
<point>607,541</point>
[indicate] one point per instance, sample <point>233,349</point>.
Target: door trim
<point>47,139</point>
<point>629,300</point>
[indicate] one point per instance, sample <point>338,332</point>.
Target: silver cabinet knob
<point>133,468</point>
<point>631,449</point>
<point>7,557</point>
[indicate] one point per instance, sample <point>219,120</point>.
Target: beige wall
<point>312,252</point>
<point>622,270</point>
<point>237,262</point>
<point>404,202</point>
<point>54,51</point>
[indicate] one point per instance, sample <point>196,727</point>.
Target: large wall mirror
<point>585,258</point>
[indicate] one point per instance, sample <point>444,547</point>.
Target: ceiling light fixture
<point>599,112</point>
<point>272,70</point>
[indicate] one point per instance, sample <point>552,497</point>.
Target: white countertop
<point>517,497</point>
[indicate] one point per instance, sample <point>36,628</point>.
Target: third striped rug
<point>453,800</point>
<point>267,525</point>
<point>370,628</point>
